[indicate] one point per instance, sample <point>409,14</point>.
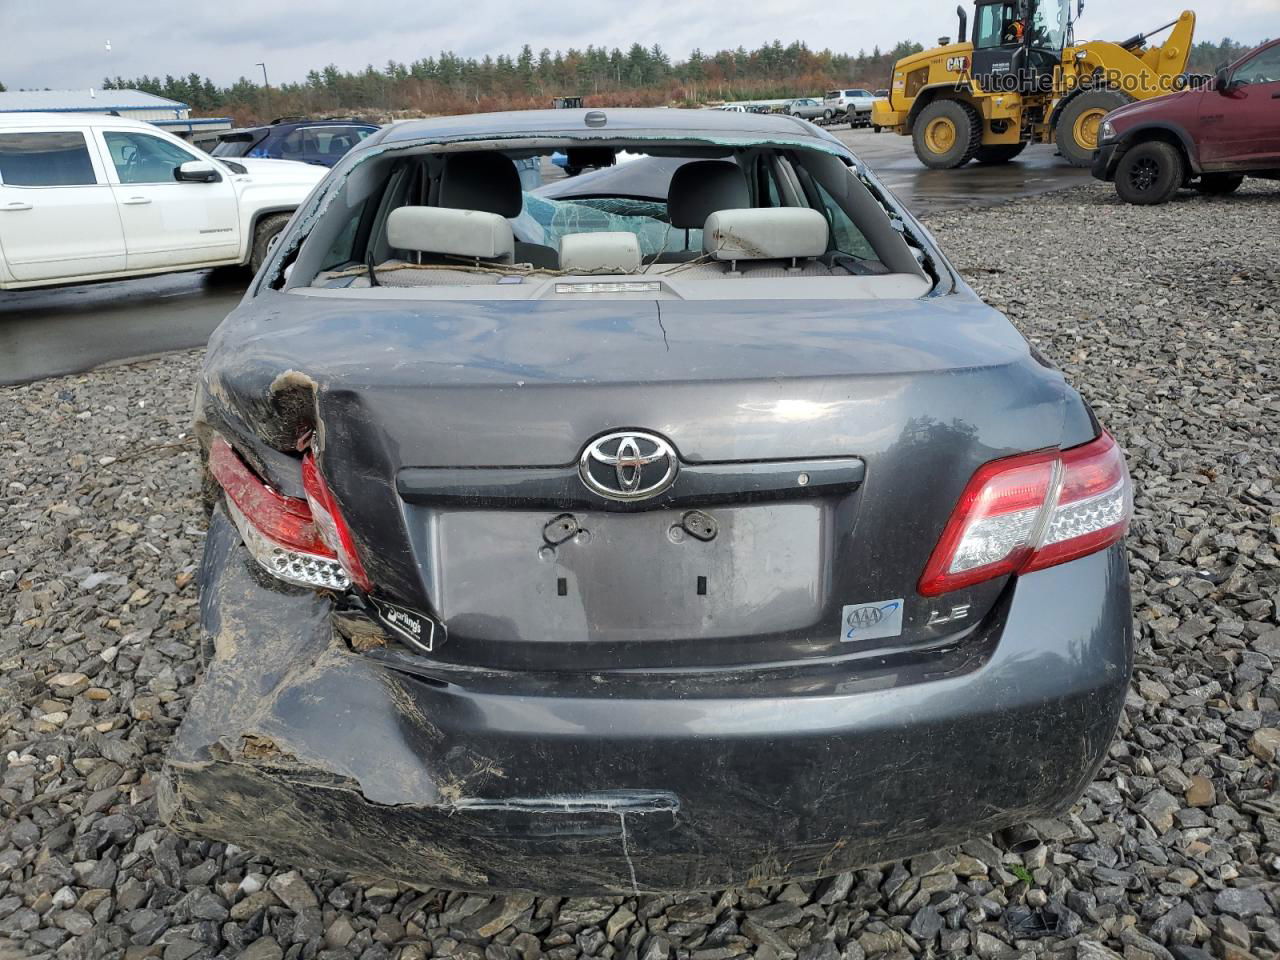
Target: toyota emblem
<point>628,465</point>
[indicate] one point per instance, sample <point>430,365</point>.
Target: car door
<point>169,223</point>
<point>58,216</point>
<point>1240,129</point>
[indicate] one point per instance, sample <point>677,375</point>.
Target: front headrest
<point>599,253</point>
<point>459,233</point>
<point>700,188</point>
<point>769,233</point>
<point>481,181</point>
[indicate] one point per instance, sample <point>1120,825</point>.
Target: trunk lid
<point>452,433</point>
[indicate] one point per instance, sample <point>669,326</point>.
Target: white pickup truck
<point>100,197</point>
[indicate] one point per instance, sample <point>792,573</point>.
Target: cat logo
<point>957,64</point>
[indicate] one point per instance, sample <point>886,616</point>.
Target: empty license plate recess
<point>657,575</point>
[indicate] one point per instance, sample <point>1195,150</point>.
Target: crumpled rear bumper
<point>298,747</point>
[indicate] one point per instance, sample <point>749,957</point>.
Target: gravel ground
<point>1166,318</point>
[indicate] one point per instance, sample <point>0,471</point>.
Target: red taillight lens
<point>1030,512</point>
<point>285,520</point>
<point>280,532</point>
<point>332,527</point>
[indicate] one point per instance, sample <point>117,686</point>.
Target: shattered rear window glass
<point>545,221</point>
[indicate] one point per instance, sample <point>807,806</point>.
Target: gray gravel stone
<point>1248,902</point>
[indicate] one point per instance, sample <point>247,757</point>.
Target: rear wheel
<point>1219,184</point>
<point>947,134</point>
<point>999,153</point>
<point>1078,124</point>
<point>267,230</point>
<point>1149,173</point>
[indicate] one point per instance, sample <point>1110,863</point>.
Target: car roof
<point>332,122</point>
<point>619,124</point>
<point>34,119</point>
<point>290,125</point>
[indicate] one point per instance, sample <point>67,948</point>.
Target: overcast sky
<point>63,45</point>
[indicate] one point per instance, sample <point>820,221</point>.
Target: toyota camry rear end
<point>685,525</point>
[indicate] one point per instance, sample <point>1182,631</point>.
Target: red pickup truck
<point>1210,138</point>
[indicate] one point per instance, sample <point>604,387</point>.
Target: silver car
<point>806,108</point>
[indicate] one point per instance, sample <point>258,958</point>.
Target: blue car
<point>323,142</point>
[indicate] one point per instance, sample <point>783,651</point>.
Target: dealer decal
<point>871,621</point>
<point>416,629</point>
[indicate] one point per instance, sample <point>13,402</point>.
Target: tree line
<point>640,76</point>
<point>1207,56</point>
<point>448,83</point>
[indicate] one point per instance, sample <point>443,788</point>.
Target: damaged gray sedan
<point>696,528</point>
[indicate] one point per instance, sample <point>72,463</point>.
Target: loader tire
<point>999,153</point>
<point>947,134</point>
<point>1077,129</point>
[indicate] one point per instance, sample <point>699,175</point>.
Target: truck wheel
<point>268,228</point>
<point>1149,173</point>
<point>1077,128</point>
<point>827,117</point>
<point>947,134</point>
<point>1219,184</point>
<point>999,153</point>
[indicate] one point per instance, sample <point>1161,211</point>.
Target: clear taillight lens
<point>1030,512</point>
<point>1093,507</point>
<point>280,532</point>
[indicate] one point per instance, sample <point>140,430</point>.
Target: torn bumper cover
<point>300,748</point>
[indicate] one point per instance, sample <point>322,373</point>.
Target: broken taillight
<point>280,532</point>
<point>1030,512</point>
<point>329,522</point>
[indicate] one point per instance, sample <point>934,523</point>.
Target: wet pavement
<point>48,332</point>
<point>1038,170</point>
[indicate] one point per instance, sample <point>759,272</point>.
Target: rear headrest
<point>481,181</point>
<point>772,233</point>
<point>459,233</point>
<point>599,253</point>
<point>700,188</point>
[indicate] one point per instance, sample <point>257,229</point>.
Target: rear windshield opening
<point>668,214</point>
<point>234,145</point>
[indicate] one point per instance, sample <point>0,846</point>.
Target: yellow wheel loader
<point>1021,78</point>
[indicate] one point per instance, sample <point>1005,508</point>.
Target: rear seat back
<point>456,233</point>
